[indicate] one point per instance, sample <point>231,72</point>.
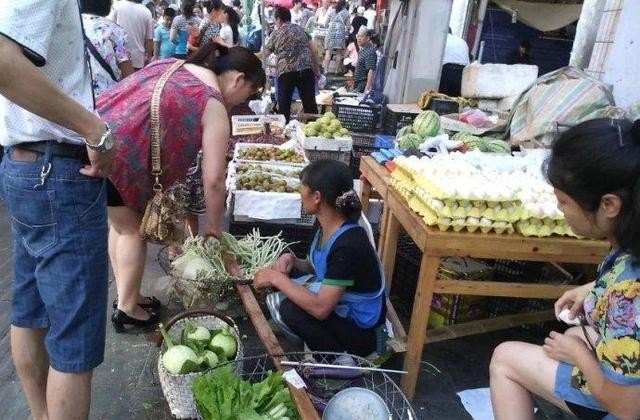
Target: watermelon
<point>427,124</point>
<point>404,130</point>
<point>409,141</point>
<point>497,146</point>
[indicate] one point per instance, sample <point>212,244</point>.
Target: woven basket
<point>177,388</point>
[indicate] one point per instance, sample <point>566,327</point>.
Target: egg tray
<point>401,187</point>
<point>435,190</point>
<point>468,224</point>
<point>456,209</point>
<point>543,228</point>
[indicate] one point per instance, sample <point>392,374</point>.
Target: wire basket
<point>323,384</point>
<point>177,388</point>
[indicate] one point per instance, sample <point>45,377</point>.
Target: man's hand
<point>101,164</point>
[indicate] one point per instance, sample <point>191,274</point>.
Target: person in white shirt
<point>454,60</point>
<point>229,21</point>
<point>136,19</point>
<point>324,13</point>
<point>370,14</point>
<point>57,150</point>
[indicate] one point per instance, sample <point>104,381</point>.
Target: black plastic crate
<point>405,273</point>
<point>301,234</point>
<point>360,118</point>
<point>356,154</point>
<point>363,139</point>
<point>395,120</point>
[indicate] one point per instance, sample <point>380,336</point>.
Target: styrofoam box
<point>338,144</point>
<point>497,81</point>
<point>267,205</point>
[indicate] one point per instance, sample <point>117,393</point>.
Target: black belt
<point>66,150</point>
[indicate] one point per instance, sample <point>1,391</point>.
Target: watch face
<point>108,141</point>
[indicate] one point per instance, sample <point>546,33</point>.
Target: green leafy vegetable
<point>222,395</point>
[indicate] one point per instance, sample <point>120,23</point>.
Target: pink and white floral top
<point>110,39</point>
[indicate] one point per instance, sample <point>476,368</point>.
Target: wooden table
<point>436,244</point>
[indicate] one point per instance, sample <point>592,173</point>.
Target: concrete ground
<point>126,385</point>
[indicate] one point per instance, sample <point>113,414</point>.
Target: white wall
<point>420,50</point>
<point>623,62</point>
<point>458,18</point>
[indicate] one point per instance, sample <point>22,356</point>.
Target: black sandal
<point>120,319</point>
<point>153,303</point>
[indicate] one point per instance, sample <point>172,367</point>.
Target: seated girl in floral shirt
<point>593,370</point>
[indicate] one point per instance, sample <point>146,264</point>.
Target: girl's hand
<point>573,299</point>
<point>564,347</point>
<point>284,263</point>
<point>267,277</point>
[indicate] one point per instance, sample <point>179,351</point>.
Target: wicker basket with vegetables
<point>203,340</point>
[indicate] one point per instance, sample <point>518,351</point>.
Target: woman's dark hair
<point>599,157</point>
<point>213,5</point>
<point>220,59</point>
<point>234,21</point>
<point>95,7</point>
<point>282,13</point>
<point>340,5</point>
<point>187,8</point>
<point>169,12</point>
<point>334,181</point>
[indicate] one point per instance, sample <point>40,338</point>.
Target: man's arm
<point>148,45</point>
<point>370,76</point>
<point>23,84</point>
<point>156,50</point>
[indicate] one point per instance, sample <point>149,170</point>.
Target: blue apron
<point>363,309</point>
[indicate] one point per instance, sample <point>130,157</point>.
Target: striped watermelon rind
<point>408,129</point>
<point>427,124</point>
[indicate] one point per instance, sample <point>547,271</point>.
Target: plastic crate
<point>397,116</point>
<point>356,154</point>
<point>363,139</point>
<point>302,235</point>
<point>342,156</point>
<point>360,118</point>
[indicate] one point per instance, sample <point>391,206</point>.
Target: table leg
<point>418,324</point>
<point>390,246</point>
<point>365,194</point>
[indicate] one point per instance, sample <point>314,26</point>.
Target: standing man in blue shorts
<point>51,177</point>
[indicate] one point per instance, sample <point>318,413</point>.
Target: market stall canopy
<point>542,16</point>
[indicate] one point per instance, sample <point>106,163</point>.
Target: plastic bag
<point>475,117</point>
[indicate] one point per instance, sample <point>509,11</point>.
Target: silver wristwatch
<point>106,142</point>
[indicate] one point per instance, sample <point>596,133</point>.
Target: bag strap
<point>99,58</point>
<point>156,167</point>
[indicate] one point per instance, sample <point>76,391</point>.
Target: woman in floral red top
<point>193,116</point>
